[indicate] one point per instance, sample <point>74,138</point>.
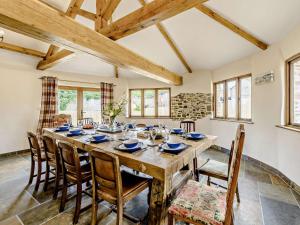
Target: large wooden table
<point>159,165</point>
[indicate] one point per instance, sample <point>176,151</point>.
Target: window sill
<point>288,127</point>
<point>232,120</point>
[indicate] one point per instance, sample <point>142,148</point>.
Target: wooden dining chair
<point>112,185</point>
<point>188,125</point>
<point>53,164</point>
<point>219,170</point>
<point>37,157</point>
<point>208,205</point>
<point>76,171</point>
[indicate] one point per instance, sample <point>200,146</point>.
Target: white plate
<point>122,147</point>
<point>182,146</point>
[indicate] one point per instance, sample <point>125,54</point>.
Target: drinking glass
<point>153,133</point>
<point>125,132</point>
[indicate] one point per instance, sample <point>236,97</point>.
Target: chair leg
<point>31,171</point>
<point>46,177</point>
<point>119,214</point>
<point>237,194</point>
<point>64,196</point>
<point>208,181</point>
<point>78,203</point>
<point>94,210</point>
<point>57,179</point>
<point>170,219</point>
<point>195,165</point>
<point>38,177</point>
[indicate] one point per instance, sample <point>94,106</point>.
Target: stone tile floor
<point>265,198</point>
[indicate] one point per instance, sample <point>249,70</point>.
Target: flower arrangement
<point>114,109</point>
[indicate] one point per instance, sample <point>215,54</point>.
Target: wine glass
<point>125,131</point>
<point>167,133</point>
<point>153,133</point>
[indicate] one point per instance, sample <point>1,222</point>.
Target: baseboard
<point>266,167</point>
<point>8,154</point>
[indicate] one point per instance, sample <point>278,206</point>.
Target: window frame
<point>289,92</point>
<point>80,91</point>
<point>238,101</point>
<point>143,105</point>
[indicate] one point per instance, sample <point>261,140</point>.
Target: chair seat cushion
<point>132,182</point>
<point>200,203</point>
<point>215,167</point>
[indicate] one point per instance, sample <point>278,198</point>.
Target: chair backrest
<point>107,182</point>
<point>234,171</point>
<point>70,161</point>
<point>51,150</point>
<point>188,125</point>
<point>34,144</point>
<point>61,119</point>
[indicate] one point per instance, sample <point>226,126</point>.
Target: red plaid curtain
<point>107,94</point>
<point>48,104</point>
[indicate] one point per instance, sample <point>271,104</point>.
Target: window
<point>233,98</point>
<point>154,102</point>
<point>79,103</point>
<point>293,86</point>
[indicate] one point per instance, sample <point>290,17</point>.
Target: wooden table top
<point>150,161</point>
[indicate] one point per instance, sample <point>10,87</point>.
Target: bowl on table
<point>195,134</point>
<point>173,144</point>
<point>149,127</point>
<point>131,143</point>
<point>130,125</point>
<point>63,128</point>
<point>75,131</point>
<point>177,130</point>
<point>99,137</point>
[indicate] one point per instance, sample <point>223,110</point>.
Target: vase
<point>112,122</point>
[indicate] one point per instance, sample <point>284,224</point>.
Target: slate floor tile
<point>15,204</point>
<point>276,192</point>
<point>279,213</point>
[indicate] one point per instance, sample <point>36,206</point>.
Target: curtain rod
<point>74,81</point>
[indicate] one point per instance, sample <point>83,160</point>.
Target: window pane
<point>232,99</point>
<point>220,100</point>
<point>91,105</point>
<point>67,103</point>
<point>136,103</point>
<point>245,86</point>
<point>295,92</point>
<point>163,102</point>
<point>149,103</point>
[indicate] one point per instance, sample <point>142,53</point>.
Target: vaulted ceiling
<point>203,42</point>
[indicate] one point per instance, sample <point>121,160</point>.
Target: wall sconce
<point>1,35</point>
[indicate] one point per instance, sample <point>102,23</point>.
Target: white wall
<point>20,94</point>
<point>265,142</point>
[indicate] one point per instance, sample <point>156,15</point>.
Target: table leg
<point>157,209</point>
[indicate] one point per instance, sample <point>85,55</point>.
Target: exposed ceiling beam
<point>150,14</point>
<point>61,56</point>
<point>225,22</point>
<point>19,49</point>
<point>37,20</point>
<point>171,43</point>
<point>110,8</point>
<point>167,37</point>
<point>72,11</point>
<point>146,16</point>
<point>87,14</point>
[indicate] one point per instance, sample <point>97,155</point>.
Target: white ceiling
<point>204,43</point>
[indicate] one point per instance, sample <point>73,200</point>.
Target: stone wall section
<point>191,106</point>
